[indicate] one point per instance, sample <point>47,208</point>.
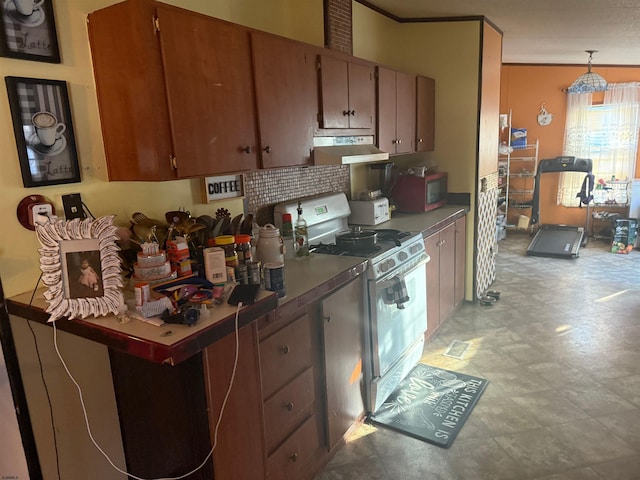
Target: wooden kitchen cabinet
<point>445,272</point>
<point>287,99</point>
<point>289,352</point>
<point>396,111</point>
<point>425,113</point>
<point>342,326</point>
<point>173,104</point>
<point>347,94</point>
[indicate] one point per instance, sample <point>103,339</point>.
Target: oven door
<point>395,335</point>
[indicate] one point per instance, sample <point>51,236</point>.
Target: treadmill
<point>560,241</point>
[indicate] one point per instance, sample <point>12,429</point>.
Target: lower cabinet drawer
<point>286,409</point>
<point>292,458</point>
<point>284,355</point>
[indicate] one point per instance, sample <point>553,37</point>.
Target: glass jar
<point>228,244</point>
<point>243,249</point>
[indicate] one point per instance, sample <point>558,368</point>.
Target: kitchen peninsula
<point>292,400</point>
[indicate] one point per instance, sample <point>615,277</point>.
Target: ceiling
<point>544,31</point>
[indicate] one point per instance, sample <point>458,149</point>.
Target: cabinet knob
<point>327,318</point>
<point>399,141</point>
<point>352,113</point>
<point>294,457</point>
<point>420,140</point>
<point>289,406</point>
<point>346,113</point>
<point>247,149</point>
<point>285,349</point>
<point>267,149</point>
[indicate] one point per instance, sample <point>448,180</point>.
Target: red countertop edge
<point>147,349</point>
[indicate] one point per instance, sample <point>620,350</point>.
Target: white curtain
<point>607,134</point>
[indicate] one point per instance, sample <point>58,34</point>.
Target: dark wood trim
<point>163,416</point>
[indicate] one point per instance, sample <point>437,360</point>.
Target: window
<point>606,133</point>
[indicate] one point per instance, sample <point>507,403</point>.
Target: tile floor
<point>561,352</point>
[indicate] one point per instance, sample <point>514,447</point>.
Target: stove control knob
<point>402,256</point>
<point>389,264</point>
<point>415,248</point>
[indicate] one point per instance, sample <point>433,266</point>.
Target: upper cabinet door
<point>386,110</point>
<point>134,114</point>
<point>348,94</point>
<point>396,111</point>
<point>287,99</point>
<point>405,112</point>
<point>362,96</point>
<point>334,78</point>
<point>425,114</point>
<point>207,64</point>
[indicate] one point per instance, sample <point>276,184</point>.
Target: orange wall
<point>523,89</point>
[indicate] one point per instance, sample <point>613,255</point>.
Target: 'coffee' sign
<point>219,188</point>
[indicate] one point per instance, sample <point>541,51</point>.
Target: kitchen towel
<point>397,292</point>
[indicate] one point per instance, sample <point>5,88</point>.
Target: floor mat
<point>431,404</point>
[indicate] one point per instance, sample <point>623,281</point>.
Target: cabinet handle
<point>267,149</point>
<point>294,457</point>
<point>285,349</point>
<point>328,318</point>
<point>289,406</point>
<point>247,149</point>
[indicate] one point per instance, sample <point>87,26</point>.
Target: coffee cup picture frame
<point>43,129</point>
<point>28,30</point>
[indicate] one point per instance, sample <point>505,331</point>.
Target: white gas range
<point>395,291</point>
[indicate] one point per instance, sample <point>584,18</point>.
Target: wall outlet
<point>72,204</point>
<point>40,213</point>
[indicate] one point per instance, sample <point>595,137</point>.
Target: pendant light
<point>588,82</point>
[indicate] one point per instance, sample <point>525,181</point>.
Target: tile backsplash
<point>266,188</point>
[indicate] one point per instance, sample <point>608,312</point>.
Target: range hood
<point>346,150</point>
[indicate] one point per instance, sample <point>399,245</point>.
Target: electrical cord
<point>86,209</point>
<point>44,382</point>
<point>215,435</point>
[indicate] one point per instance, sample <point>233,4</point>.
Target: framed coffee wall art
<point>28,31</point>
<point>44,131</point>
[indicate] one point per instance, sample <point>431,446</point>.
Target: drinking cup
<point>47,127</point>
<point>26,7</point>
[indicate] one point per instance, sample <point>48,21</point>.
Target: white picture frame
<point>80,267</point>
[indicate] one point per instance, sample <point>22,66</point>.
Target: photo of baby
<point>83,278</point>
<point>88,276</point>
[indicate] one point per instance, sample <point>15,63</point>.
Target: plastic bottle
<point>287,236</point>
<point>301,236</point>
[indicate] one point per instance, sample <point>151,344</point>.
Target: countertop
<point>424,222</point>
<point>306,280</point>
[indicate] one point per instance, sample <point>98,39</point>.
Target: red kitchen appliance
<point>412,193</point>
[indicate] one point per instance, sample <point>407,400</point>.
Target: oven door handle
<point>382,284</point>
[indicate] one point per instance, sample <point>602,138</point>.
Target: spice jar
<point>243,248</point>
<point>228,244</point>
